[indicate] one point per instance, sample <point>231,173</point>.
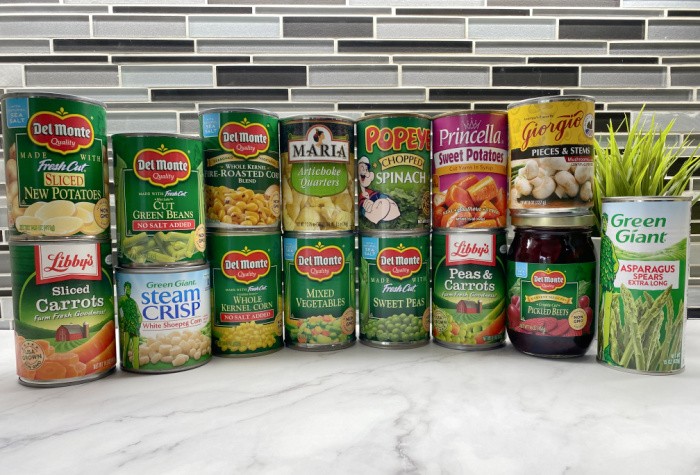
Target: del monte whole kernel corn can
<point>242,169</point>
<point>393,172</point>
<point>56,169</point>
<point>643,283</point>
<point>551,153</point>
<point>158,185</point>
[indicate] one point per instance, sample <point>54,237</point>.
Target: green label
<point>469,288</point>
<point>393,172</point>
<point>320,289</point>
<point>164,319</point>
<point>241,152</point>
<point>394,290</point>
<point>643,283</point>
<point>64,309</point>
<point>551,299</point>
<point>246,293</point>
<point>158,187</point>
<point>318,176</point>
<point>56,166</point>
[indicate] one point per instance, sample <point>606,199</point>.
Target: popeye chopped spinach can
<point>158,186</point>
<point>164,318</point>
<point>63,302</point>
<point>469,288</point>
<point>394,289</point>
<point>241,168</point>
<point>246,292</point>
<point>318,174</point>
<point>393,172</point>
<point>56,169</point>
<point>319,299</point>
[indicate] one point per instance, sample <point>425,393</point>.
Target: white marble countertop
<point>359,410</point>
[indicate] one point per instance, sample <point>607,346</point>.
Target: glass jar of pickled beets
<point>551,276</point>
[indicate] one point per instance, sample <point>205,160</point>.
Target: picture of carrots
<point>104,360</point>
<point>51,370</point>
<point>495,329</point>
<point>96,344</point>
<point>470,200</point>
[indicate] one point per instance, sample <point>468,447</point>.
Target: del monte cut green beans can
<point>393,172</point>
<point>158,185</point>
<point>394,289</point>
<point>56,170</point>
<point>319,297</point>
<point>643,283</point>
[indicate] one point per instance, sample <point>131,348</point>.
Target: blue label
<point>16,112</point>
<point>210,125</point>
<point>370,247</point>
<point>290,248</point>
<point>521,269</point>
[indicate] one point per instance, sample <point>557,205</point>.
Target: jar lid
<point>552,219</point>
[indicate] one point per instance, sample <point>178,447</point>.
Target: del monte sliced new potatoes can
<point>56,169</point>
<point>643,283</point>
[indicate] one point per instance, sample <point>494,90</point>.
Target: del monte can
<point>56,169</point>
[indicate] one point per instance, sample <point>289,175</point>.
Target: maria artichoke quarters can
<point>643,283</point>
<point>56,169</point>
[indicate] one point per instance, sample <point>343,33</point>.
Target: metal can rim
<point>64,240</point>
<point>445,231</point>
<point>638,199</point>
<point>161,269</point>
<point>318,234</point>
<point>156,134</point>
<point>389,115</point>
<point>549,220</point>
<point>548,99</point>
<point>243,232</point>
<point>398,234</point>
<point>315,117</point>
<point>470,112</point>
<point>220,110</point>
<point>53,95</point>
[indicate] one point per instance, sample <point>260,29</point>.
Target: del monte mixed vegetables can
<point>643,283</point>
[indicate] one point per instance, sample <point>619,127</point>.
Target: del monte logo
<point>319,262</point>
<point>162,167</point>
<point>400,262</point>
<point>246,266</point>
<point>548,280</point>
<point>244,138</point>
<point>61,131</point>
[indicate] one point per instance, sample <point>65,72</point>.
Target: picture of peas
<point>395,328</point>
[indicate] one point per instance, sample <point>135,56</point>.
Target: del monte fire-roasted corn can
<point>56,169</point>
<point>158,184</point>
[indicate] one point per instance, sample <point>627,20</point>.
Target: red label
<point>319,264</point>
<point>246,317</point>
<point>164,225</point>
<point>399,263</point>
<point>162,167</point>
<point>244,139</point>
<point>245,267</point>
<point>60,131</point>
<point>548,280</point>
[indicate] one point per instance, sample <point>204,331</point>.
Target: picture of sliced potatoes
<point>62,218</point>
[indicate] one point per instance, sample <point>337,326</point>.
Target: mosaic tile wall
<point>157,64</point>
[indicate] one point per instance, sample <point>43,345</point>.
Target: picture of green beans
<point>646,332</point>
<point>161,248</point>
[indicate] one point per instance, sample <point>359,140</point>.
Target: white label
<point>318,146</point>
<point>57,262</point>
<point>470,249</point>
<point>648,275</point>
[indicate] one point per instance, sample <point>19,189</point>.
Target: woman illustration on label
<point>319,137</point>
<point>374,206</point>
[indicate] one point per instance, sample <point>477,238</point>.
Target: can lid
<point>388,115</point>
<point>552,219</point>
<point>547,99</point>
<point>646,199</point>
<point>458,113</point>
<point>249,110</point>
<point>316,118</point>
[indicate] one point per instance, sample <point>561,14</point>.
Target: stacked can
<point>162,281</point>
<point>318,181</point>
<point>551,262</point>
<point>394,220</point>
<point>242,195</point>
<point>470,186</point>
<point>57,181</point>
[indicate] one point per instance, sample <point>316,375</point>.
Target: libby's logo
<point>474,249</point>
<point>399,263</point>
<point>320,262</point>
<point>58,262</point>
<point>60,131</point>
<point>556,127</point>
<point>397,138</point>
<point>162,167</point>
<point>245,267</point>
<point>548,280</point>
<point>245,139</point>
<point>319,144</point>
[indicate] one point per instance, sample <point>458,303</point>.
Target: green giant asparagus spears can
<point>643,283</point>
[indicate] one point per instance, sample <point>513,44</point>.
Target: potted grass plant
<point>642,203</point>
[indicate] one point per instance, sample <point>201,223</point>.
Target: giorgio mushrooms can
<point>241,168</point>
<point>56,169</point>
<point>158,186</point>
<point>551,153</point>
<point>318,174</point>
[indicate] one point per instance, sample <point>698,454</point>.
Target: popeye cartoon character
<point>374,206</point>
